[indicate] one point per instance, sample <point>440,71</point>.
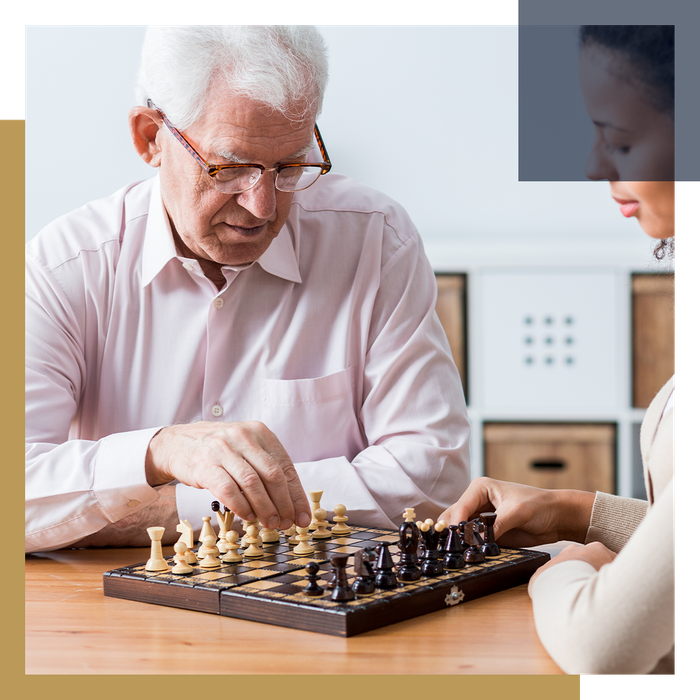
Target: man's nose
<point>261,199</point>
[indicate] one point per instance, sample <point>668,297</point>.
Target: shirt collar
<point>280,259</point>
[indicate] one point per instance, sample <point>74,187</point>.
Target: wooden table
<point>72,628</point>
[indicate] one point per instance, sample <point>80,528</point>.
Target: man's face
<point>230,229</point>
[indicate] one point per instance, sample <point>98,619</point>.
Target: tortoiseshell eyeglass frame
<point>212,170</point>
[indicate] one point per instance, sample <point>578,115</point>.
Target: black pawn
<point>489,548</point>
<point>312,587</point>
<point>454,552</point>
<point>385,578</point>
<point>442,542</point>
<point>341,588</point>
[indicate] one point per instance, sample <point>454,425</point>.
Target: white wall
<point>444,97</point>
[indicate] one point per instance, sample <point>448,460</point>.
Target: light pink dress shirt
<point>330,339</point>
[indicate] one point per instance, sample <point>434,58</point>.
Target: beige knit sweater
<point>619,619</point>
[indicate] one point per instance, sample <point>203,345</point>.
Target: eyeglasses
<point>239,177</point>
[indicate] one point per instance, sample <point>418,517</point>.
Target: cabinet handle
<point>547,464</point>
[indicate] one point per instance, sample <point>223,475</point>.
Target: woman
<point>608,606</point>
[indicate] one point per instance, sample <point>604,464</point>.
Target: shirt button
<point>133,504</point>
<point>218,302</point>
<point>217,410</point>
<point>187,266</point>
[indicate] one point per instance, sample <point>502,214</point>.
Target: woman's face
<point>634,142</point>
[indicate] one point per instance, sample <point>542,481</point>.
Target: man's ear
<point>144,125</point>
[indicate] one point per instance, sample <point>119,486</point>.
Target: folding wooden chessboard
<point>269,589</point>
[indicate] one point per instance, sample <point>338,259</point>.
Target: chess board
<point>269,589</point>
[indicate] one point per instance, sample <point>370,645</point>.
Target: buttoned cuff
<point>120,483</point>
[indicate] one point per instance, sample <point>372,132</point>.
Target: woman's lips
<point>627,207</point>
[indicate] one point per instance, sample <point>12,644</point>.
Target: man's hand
<point>594,553</point>
<point>526,516</point>
<point>242,464</point>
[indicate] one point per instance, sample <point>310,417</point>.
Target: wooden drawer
<point>451,310</point>
<point>552,455</point>
<point>653,343</point>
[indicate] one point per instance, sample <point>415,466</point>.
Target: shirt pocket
<point>313,418</point>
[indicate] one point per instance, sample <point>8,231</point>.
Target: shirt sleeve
<point>619,619</point>
<point>72,487</point>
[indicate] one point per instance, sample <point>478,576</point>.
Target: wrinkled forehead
<point>240,129</point>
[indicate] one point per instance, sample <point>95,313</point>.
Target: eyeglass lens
<point>287,179</point>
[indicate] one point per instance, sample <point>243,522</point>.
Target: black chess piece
<point>489,548</point>
<point>442,542</point>
<point>364,572</point>
<point>341,588</point>
<point>312,588</point>
<point>454,552</point>
<point>385,577</point>
<point>409,538</point>
<point>430,564</point>
<point>472,551</point>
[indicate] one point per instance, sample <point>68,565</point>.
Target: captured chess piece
<point>312,588</point>
<point>385,577</point>
<point>156,562</point>
<point>341,588</point>
<point>489,548</point>
<point>181,566</point>
<point>340,528</point>
<point>210,551</point>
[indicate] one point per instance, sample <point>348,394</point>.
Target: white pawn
<point>253,549</point>
<point>322,532</point>
<point>340,518</point>
<point>269,535</point>
<point>303,547</point>
<point>291,535</point>
<point>245,540</point>
<point>210,552</point>
<point>232,556</point>
<point>207,530</point>
<point>181,565</point>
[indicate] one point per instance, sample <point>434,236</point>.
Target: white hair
<point>282,67</point>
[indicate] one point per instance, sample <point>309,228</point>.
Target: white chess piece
<point>156,562</point>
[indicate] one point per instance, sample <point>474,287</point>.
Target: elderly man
<point>243,327</point>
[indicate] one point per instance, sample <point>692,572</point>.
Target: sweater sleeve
<point>619,619</point>
<point>614,519</point>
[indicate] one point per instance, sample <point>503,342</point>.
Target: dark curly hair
<point>649,50</point>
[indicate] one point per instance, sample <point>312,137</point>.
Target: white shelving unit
<point>549,337</point>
